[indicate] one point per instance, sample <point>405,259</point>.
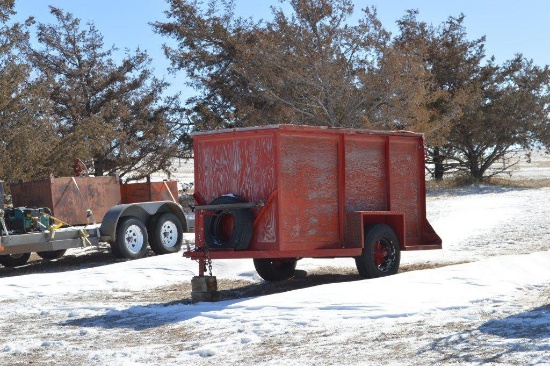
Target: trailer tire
<point>237,221</point>
<point>381,253</point>
<point>114,250</point>
<point>165,233</point>
<point>131,238</point>
<point>272,270</point>
<point>54,254</point>
<point>14,260</point>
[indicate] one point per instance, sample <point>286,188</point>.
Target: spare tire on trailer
<point>230,227</point>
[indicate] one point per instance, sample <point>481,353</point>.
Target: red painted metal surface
<point>329,183</point>
<point>69,198</point>
<point>149,191</point>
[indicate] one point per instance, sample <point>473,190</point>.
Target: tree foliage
<point>312,66</point>
<point>510,112</point>
<point>110,114</point>
<point>25,134</point>
<point>315,62</point>
<point>309,67</point>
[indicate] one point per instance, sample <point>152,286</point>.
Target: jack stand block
<point>204,288</point>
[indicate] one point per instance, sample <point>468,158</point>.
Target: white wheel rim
<point>169,234</point>
<point>133,237</point>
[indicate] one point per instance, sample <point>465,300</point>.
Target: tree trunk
<point>99,167</point>
<point>475,169</point>
<point>439,169</point>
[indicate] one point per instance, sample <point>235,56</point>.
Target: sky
<point>510,27</point>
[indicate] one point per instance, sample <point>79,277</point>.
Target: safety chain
<point>208,260</point>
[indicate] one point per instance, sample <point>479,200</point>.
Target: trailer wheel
<point>54,254</point>
<point>229,228</point>
<point>381,253</point>
<point>166,234</point>
<point>14,260</point>
<point>131,238</point>
<point>114,250</point>
<point>275,269</point>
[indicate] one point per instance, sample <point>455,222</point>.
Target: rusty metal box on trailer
<point>69,198</point>
<point>149,191</point>
<point>319,185</point>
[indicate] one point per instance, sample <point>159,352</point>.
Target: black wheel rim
<point>384,255</point>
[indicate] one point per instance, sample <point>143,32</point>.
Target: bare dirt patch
<point>181,293</point>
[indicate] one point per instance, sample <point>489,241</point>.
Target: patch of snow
<point>494,309</point>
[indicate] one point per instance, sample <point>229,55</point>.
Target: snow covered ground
<point>494,308</point>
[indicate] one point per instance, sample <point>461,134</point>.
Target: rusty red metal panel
<point>353,233</point>
<point>366,173</point>
<point>36,193</point>
<point>149,191</point>
<point>69,197</point>
<point>242,164</point>
<point>405,184</point>
<point>309,191</point>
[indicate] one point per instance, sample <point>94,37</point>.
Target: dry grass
<point>464,181</point>
<point>520,183</point>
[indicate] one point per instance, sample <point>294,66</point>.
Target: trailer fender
<point>357,223</point>
<point>144,211</point>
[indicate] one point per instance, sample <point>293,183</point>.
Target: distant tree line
<point>313,66</point>
<point>64,95</point>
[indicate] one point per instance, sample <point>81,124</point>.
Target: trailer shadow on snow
<point>98,256</point>
<point>172,304</point>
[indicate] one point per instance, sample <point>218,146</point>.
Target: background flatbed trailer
<point>54,214</point>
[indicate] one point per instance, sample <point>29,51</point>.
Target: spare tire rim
<point>169,234</point>
<point>134,239</point>
<point>224,226</point>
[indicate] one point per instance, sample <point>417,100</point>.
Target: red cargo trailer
<point>280,193</point>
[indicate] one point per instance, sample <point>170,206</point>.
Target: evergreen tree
<point>110,114</point>
<point>308,67</point>
<point>26,133</point>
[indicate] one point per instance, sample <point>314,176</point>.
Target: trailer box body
<point>320,186</point>
<point>149,191</point>
<point>69,198</point>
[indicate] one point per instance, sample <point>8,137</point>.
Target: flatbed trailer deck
<point>46,241</point>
